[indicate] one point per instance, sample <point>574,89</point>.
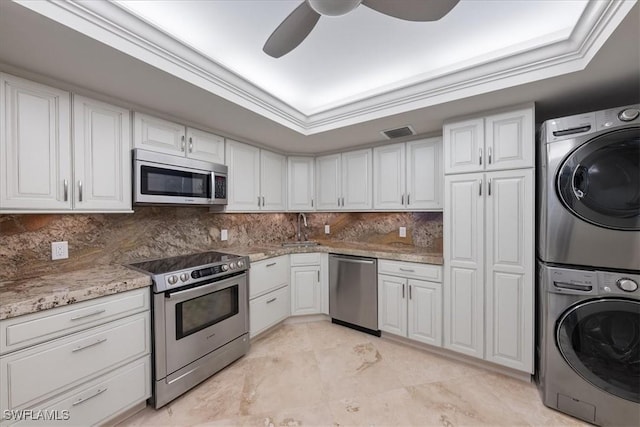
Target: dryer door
<point>600,181</point>
<point>600,340</point>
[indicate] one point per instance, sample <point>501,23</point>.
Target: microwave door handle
<point>213,185</point>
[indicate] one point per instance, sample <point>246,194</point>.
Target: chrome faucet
<point>299,233</point>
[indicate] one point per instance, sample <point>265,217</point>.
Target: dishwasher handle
<point>355,260</point>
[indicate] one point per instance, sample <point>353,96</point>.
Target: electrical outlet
<point>59,250</point>
<point>403,231</point>
<point>327,229</point>
<point>224,235</point>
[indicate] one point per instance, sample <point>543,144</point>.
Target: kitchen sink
<point>299,244</point>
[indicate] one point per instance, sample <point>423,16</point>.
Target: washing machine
<point>589,344</point>
<point>588,197</point>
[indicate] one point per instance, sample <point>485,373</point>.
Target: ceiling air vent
<point>398,132</point>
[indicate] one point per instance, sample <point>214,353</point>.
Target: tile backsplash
<point>152,232</point>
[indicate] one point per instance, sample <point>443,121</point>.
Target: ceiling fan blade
<point>413,10</point>
<point>290,33</point>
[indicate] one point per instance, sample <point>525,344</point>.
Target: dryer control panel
<point>592,282</point>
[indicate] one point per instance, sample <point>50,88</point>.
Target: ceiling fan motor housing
<point>333,7</point>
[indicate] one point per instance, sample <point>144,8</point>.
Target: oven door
<point>201,319</point>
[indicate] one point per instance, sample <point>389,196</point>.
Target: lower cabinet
<point>408,306</point>
<point>309,284</point>
<point>268,293</point>
<point>89,375</point>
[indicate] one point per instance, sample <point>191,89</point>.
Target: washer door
<point>600,181</point>
<point>600,340</point>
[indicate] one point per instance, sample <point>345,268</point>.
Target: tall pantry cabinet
<point>489,237</point>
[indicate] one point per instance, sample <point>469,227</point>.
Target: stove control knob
<point>172,279</point>
<point>240,264</point>
<point>184,277</point>
<point>232,266</point>
<point>627,285</point>
<point>224,267</point>
<point>629,114</point>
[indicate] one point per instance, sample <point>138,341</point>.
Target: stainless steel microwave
<point>161,179</point>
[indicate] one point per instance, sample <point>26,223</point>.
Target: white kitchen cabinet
<point>164,136</point>
<point>344,181</point>
<point>102,156</point>
<point>488,252</point>
<point>257,178</point>
<point>91,358</point>
<point>493,142</point>
<point>408,176</point>
<point>35,146</point>
<point>268,293</point>
<point>46,172</point>
<point>300,179</point>
<point>309,283</point>
<point>409,305</point>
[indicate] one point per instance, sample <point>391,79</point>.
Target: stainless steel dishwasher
<point>353,292</point>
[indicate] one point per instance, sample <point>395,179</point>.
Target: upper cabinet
<point>45,171</point>
<point>301,184</point>
<point>155,134</point>
<point>408,176</point>
<point>494,142</point>
<point>344,181</point>
<point>256,178</point>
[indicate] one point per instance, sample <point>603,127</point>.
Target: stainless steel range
<point>200,318</point>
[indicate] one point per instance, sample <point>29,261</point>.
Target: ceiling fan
<point>297,26</point>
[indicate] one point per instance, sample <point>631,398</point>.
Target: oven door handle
<point>187,294</point>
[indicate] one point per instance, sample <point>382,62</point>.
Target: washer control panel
<point>592,282</point>
<point>621,284</point>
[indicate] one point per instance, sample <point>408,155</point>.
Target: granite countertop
<point>24,296</point>
<point>18,297</point>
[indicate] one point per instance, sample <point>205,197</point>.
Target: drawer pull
<point>271,264</point>
<point>89,315</point>
<point>408,270</point>
<point>96,342</point>
<point>84,399</point>
<point>269,301</point>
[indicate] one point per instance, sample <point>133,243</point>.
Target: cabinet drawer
<point>24,331</point>
<point>99,400</point>
<point>267,275</point>
<point>305,259</point>
<point>411,270</point>
<point>37,373</point>
<point>268,310</point>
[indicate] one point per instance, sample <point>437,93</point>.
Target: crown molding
<point>120,29</point>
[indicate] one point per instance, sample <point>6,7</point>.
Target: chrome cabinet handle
<point>311,202</point>
<point>403,291</point>
<point>258,201</point>
<point>96,342</point>
<point>271,264</point>
<point>79,190</point>
<point>269,301</point>
<point>408,199</point>
<point>489,187</point>
<point>402,199</point>
<point>318,276</point>
<point>190,144</point>
<point>343,202</point>
<point>95,313</point>
<point>408,270</point>
<point>480,152</point>
<point>84,399</point>
<point>262,201</point>
<point>480,189</point>
<point>182,144</point>
<point>489,155</point>
<point>410,292</point>
<point>66,190</point>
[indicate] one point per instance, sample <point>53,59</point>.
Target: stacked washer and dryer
<point>588,276</point>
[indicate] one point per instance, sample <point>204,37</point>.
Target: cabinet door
<point>463,222</point>
<point>509,140</point>
<point>306,295</point>
<point>244,177</point>
<point>425,312</point>
<point>464,146</point>
<point>357,180</point>
<point>273,180</point>
<point>102,156</point>
<point>154,134</point>
<point>389,177</point>
<point>34,146</point>
<point>301,184</point>
<point>328,183</point>
<point>424,174</point>
<point>392,304</point>
<point>205,146</point>
<point>267,310</point>
<point>509,260</point>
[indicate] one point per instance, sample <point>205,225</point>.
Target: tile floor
<point>320,374</point>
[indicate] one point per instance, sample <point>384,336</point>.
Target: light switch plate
<point>59,250</point>
<point>327,229</point>
<point>403,231</point>
<point>224,235</point>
